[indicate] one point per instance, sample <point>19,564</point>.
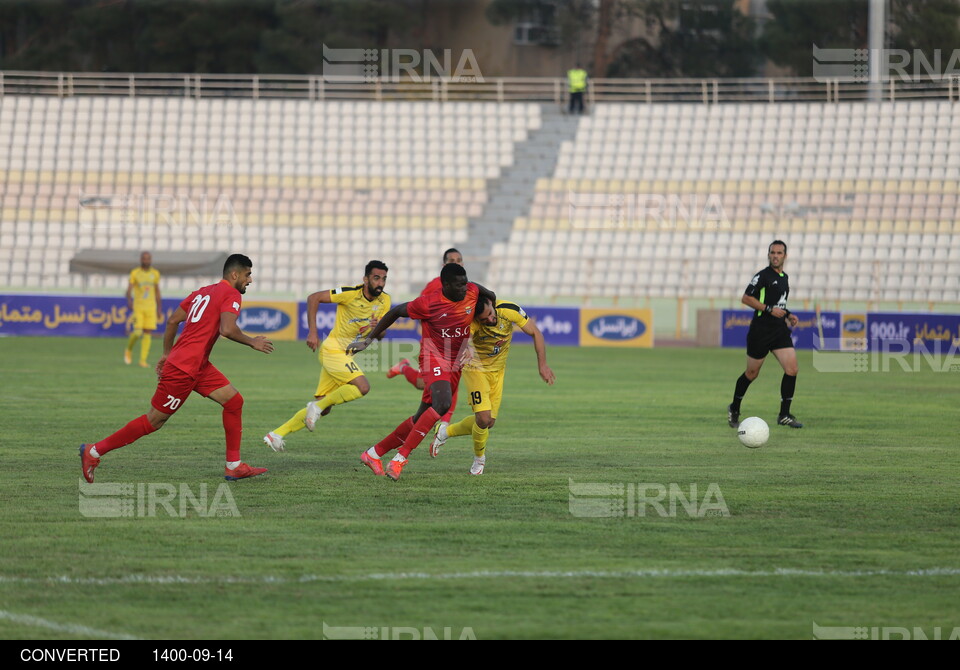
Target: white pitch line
<point>72,628</point>
<point>502,574</point>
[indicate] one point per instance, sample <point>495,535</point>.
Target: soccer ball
<point>753,432</point>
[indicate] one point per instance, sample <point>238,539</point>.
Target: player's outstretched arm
<point>170,335</point>
<point>388,320</point>
<point>540,346</point>
<point>313,302</point>
<point>230,330</point>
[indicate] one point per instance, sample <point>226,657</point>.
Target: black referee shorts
<point>761,341</point>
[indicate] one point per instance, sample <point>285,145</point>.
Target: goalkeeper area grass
<point>615,504</point>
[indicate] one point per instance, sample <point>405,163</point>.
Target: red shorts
<point>175,386</point>
<point>433,370</point>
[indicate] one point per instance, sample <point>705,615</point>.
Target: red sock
<point>420,430</point>
<point>394,439</point>
<point>130,433</point>
<point>412,374</point>
<point>233,426</point>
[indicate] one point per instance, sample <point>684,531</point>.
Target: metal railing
<point>451,89</point>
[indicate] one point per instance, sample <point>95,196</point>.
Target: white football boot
<point>274,441</point>
<point>313,413</point>
<point>478,463</point>
<point>439,440</point>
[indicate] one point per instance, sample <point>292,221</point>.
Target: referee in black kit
<point>767,295</point>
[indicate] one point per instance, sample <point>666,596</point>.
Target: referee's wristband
<point>768,309</point>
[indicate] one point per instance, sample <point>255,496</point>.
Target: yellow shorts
<point>145,318</point>
<point>485,390</point>
<point>338,369</point>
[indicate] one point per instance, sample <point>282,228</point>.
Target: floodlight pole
<point>875,41</point>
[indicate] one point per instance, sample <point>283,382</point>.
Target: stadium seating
<point>648,200</point>
<point>311,189</point>
<point>682,200</point>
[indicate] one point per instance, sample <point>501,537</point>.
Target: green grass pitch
<point>851,521</point>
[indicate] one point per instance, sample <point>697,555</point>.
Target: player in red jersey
<point>209,312</point>
<point>410,373</point>
<point>445,316</point>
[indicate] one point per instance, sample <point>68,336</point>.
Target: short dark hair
<point>451,250</point>
<point>374,265</point>
<point>451,271</point>
<point>778,242</point>
<point>236,262</point>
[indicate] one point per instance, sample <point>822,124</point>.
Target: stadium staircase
<point>510,196</point>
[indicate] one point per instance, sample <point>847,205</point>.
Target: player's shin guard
<point>233,426</point>
<point>395,439</point>
<point>145,343</point>
<point>295,423</point>
<point>787,386</point>
<point>419,431</point>
<point>130,433</point>
<point>480,436</point>
<point>345,393</point>
<point>741,390</point>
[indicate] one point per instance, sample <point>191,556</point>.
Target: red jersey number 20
<point>197,308</point>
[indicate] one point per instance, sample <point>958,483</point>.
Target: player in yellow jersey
<point>341,379</point>
<point>143,301</point>
<point>484,373</point>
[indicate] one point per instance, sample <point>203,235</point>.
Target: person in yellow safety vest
<point>577,78</point>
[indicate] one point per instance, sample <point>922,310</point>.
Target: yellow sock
<point>345,393</point>
<point>145,343</point>
<point>462,427</point>
<point>480,436</point>
<point>294,424</point>
<point>134,336</point>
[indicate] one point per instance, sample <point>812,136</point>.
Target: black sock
<point>742,384</point>
<point>787,386</point>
